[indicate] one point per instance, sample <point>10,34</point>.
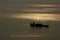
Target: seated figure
<point>37,25</point>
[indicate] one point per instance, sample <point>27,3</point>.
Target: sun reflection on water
<point>38,17</point>
<point>26,36</point>
<point>45,5</point>
<point>32,14</point>
<point>39,10</point>
<point>35,8</point>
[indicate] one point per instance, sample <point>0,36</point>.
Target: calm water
<point>16,15</point>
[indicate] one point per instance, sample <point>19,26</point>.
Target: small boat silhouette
<point>38,25</point>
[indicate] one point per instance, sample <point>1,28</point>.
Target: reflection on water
<point>38,17</point>
<point>46,5</point>
<point>40,10</point>
<point>26,35</point>
<point>15,20</point>
<point>36,12</point>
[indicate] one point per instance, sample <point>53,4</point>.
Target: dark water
<point>15,29</point>
<point>16,15</point>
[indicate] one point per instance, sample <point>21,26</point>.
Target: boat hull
<point>38,25</point>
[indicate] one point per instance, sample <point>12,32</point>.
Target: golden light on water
<point>32,14</point>
<point>28,36</point>
<point>33,36</point>
<point>38,17</point>
<point>45,5</point>
<point>39,10</point>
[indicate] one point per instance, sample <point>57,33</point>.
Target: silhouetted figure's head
<point>33,22</point>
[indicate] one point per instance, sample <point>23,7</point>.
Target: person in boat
<point>33,24</point>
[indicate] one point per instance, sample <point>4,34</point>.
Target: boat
<point>38,25</point>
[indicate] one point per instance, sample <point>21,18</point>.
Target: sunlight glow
<point>28,35</point>
<point>39,10</point>
<point>32,14</point>
<point>38,17</point>
<point>45,5</point>
<point>42,8</point>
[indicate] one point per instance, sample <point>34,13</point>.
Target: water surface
<point>16,15</point>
